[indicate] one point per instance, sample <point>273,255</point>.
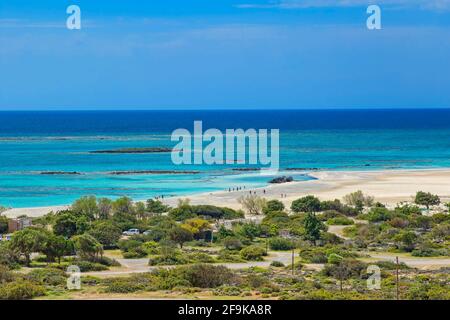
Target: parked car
<point>131,232</point>
<point>146,233</point>
<point>5,237</point>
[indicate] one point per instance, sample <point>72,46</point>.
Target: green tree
<point>55,247</point>
<point>273,206</point>
<point>8,257</point>
<point>86,206</point>
<point>27,241</point>
<point>3,224</point>
<point>407,239</point>
<point>306,204</point>
<point>123,213</point>
<point>104,208</point>
<point>313,226</point>
<point>68,224</point>
<point>140,210</point>
<point>427,199</point>
<point>123,205</point>
<point>87,247</point>
<point>156,206</point>
<point>180,235</point>
<point>358,200</point>
<point>183,210</point>
<point>106,232</point>
<point>253,204</point>
<point>249,230</point>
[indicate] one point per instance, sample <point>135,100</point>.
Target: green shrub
<point>313,256</point>
<point>8,257</point>
<point>206,276</point>
<point>5,275</point>
<point>281,244</point>
<point>277,264</point>
<point>134,254</point>
<point>87,266</point>
<point>232,243</point>
<point>133,283</point>
<point>107,262</point>
<point>48,277</point>
<point>340,221</point>
<point>230,291</point>
<point>256,281</point>
<point>151,247</point>
<point>429,252</point>
<point>378,214</point>
<point>272,206</point>
<point>253,253</point>
<point>334,258</point>
<point>229,256</point>
<point>200,257</point>
<point>20,290</point>
<point>168,260</point>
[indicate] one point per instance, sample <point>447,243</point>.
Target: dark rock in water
<point>246,169</point>
<point>60,173</point>
<point>118,173</point>
<point>134,150</point>
<point>282,179</point>
<point>301,169</point>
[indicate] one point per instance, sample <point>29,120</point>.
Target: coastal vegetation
<point>309,249</point>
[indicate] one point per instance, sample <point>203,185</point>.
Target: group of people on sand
<point>236,189</point>
<point>283,195</point>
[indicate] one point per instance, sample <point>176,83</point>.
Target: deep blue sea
<point>35,142</point>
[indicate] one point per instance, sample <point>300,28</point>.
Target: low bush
<point>134,254</point>
<point>229,256</point>
<point>340,221</point>
<point>48,277</point>
<point>206,276</point>
<point>21,290</point>
<point>5,275</point>
<point>87,266</point>
<point>168,260</point>
<point>281,244</point>
<point>229,291</point>
<point>232,243</point>
<point>277,264</point>
<point>200,257</point>
<point>253,253</point>
<point>130,284</point>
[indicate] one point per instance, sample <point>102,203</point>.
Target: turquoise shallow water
<point>32,142</point>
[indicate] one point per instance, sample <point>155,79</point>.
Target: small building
<point>19,224</point>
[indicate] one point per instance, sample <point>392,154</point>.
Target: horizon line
<point>229,109</point>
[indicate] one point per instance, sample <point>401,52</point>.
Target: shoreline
<point>387,186</point>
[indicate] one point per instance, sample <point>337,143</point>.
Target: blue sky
<point>160,54</point>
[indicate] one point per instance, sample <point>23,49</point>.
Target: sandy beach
<point>388,187</point>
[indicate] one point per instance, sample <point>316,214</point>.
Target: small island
<point>134,150</point>
<point>60,173</point>
<point>282,179</point>
<point>152,172</point>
